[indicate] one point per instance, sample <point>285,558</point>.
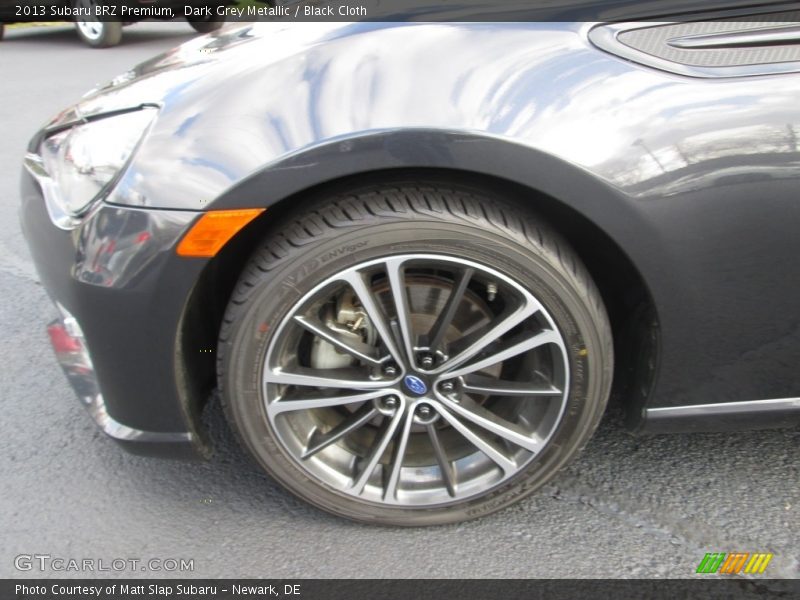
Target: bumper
<point>121,291</point>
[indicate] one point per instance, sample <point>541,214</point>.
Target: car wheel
<point>206,25</point>
<point>414,355</point>
<point>97,34</point>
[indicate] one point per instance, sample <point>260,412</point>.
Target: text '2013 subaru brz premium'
<point>416,259</point>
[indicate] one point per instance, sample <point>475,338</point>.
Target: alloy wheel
<point>415,380</point>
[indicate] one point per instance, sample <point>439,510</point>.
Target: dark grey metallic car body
<point>679,192</point>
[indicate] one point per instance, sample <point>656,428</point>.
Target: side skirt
<point>728,416</point>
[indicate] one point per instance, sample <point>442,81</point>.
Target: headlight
<point>77,165</point>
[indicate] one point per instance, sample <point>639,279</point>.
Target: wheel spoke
<point>479,340</point>
<point>382,439</point>
<point>486,446</point>
<point>361,351</point>
<point>441,458</point>
<point>347,378</point>
<point>320,441</point>
<point>367,299</point>
<point>485,419</point>
<point>509,350</point>
<point>478,384</point>
<point>445,318</point>
<point>390,493</point>
<point>311,402</point>
<point>397,285</point>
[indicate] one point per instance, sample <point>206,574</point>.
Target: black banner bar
<point>386,10</point>
<point>710,588</point>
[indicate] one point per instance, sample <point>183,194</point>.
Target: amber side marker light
<point>213,230</point>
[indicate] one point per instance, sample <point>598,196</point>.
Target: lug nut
<point>426,360</point>
<point>448,386</point>
<point>491,291</point>
<point>425,411</point>
<point>390,370</point>
<point>390,402</point>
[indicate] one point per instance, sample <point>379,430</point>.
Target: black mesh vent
<point>721,43</point>
<point>726,47</point>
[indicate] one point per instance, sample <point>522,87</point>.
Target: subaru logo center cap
<point>415,385</point>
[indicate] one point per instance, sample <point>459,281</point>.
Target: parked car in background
<point>416,259</point>
<point>101,28</point>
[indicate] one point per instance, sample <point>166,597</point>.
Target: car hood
<point>192,68</point>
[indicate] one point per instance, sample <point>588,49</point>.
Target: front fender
<point>690,178</point>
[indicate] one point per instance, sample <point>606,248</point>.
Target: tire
<point>99,34</point>
<point>434,228</point>
<point>207,25</point>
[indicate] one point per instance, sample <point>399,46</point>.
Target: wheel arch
<point>627,296</point>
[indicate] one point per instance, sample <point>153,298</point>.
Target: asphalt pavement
<point>628,507</point>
